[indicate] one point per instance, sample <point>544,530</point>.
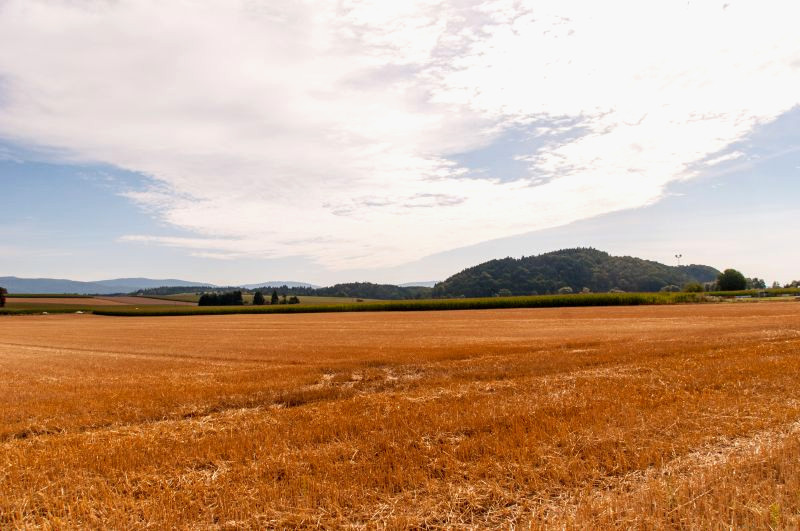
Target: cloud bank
<point>330,130</point>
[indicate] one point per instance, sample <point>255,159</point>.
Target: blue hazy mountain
<point>101,287</point>
<point>278,284</point>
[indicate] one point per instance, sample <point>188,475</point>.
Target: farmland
<point>26,304</point>
<point>649,416</point>
<point>536,301</point>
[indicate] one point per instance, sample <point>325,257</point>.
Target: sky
<point>241,141</point>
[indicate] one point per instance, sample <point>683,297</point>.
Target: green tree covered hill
<point>569,268</point>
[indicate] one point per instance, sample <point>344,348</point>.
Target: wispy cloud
<point>288,128</point>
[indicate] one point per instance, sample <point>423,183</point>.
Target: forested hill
<point>363,290</point>
<point>368,290</point>
<point>573,268</point>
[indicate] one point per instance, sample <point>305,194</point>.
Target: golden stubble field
<point>656,417</point>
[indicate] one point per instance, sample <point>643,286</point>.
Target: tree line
<point>362,290</point>
<point>258,298</point>
<point>230,298</point>
<point>235,298</point>
<point>353,290</point>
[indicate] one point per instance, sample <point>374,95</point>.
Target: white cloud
<point>323,129</point>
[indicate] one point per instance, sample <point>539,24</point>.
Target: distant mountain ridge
<point>279,283</point>
<point>144,283</point>
<point>118,285</point>
<point>574,268</point>
<point>423,284</point>
<point>99,287</point>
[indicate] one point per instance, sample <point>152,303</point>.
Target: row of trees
<point>230,298</point>
<point>733,280</point>
<point>175,290</point>
<point>355,290</point>
<point>361,290</point>
<point>235,298</point>
<point>728,280</point>
<point>259,300</point>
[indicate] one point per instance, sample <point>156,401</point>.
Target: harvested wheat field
<point>659,417</point>
<point>86,301</point>
<point>96,301</point>
<point>146,301</point>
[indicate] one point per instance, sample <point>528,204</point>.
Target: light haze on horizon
<point>242,141</point>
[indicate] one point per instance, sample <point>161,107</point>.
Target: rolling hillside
<point>574,268</point>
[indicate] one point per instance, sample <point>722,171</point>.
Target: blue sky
<point>393,143</point>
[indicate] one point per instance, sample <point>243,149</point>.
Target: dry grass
<point>80,301</point>
<point>655,417</point>
<point>61,304</point>
<point>144,301</point>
